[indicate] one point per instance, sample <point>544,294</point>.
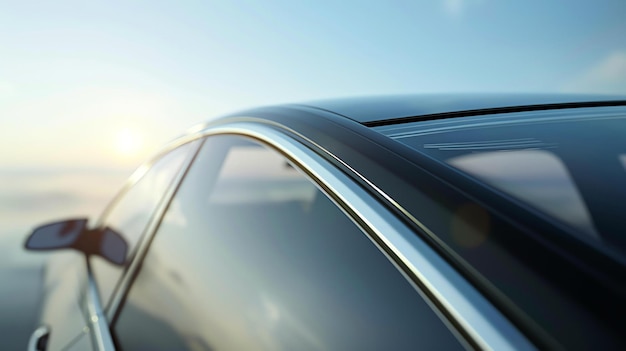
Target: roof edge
<point>494,110</point>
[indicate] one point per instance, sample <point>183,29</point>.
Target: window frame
<point>98,322</point>
<point>141,171</point>
<point>469,315</point>
<point>158,212</point>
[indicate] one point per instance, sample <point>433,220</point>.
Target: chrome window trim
<point>96,319</point>
<point>144,240</point>
<point>478,320</point>
<point>138,174</point>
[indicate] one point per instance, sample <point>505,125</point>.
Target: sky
<point>103,84</point>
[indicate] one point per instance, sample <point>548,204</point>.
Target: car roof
<point>377,110</point>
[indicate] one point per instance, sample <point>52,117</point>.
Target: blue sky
<point>75,75</point>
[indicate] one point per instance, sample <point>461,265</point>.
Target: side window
<point>132,211</point>
<point>252,255</point>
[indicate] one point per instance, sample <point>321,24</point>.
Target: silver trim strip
<point>479,319</point>
<point>96,320</point>
<point>138,174</point>
<point>142,245</point>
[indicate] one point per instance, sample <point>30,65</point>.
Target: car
<point>477,221</point>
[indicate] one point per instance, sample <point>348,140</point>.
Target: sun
<point>127,142</point>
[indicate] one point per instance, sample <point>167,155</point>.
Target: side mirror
<point>56,235</point>
<point>73,234</point>
<point>113,247</point>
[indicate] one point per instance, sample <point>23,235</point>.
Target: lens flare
<point>127,142</point>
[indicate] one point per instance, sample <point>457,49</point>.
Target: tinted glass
<point>130,215</point>
<point>252,255</point>
<point>533,203</point>
<point>568,164</point>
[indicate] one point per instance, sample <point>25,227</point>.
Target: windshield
<point>569,164</point>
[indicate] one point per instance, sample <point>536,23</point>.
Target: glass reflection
<point>133,211</point>
<point>535,176</point>
<point>278,267</point>
<point>565,163</point>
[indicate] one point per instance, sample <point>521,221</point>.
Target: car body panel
<point>63,310</point>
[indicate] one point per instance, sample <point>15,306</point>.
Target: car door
<point>253,252</point>
<point>78,289</point>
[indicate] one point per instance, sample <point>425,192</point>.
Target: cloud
<point>608,75</point>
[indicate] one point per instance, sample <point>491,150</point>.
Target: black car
<point>403,222</point>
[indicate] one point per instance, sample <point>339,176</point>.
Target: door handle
<point>39,339</point>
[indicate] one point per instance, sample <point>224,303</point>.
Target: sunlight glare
<point>127,142</point>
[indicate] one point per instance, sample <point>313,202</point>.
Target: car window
<point>552,161</point>
<point>251,254</point>
<point>131,212</point>
<point>537,177</point>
